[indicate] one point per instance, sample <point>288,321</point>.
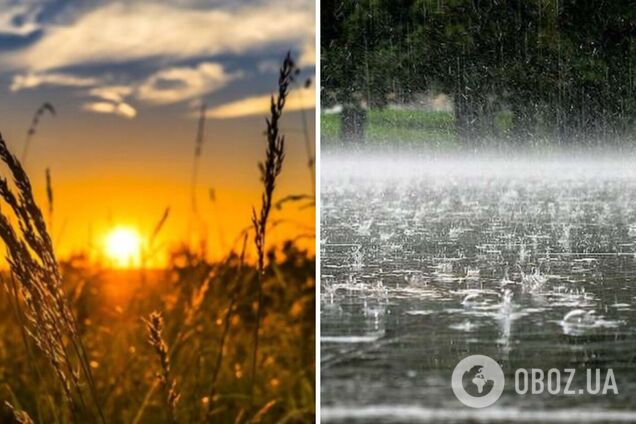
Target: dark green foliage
<point>564,69</point>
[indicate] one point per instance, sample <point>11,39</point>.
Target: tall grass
<point>154,325</point>
<point>198,150</point>
<point>270,170</point>
<point>39,113</point>
<point>20,416</point>
<point>34,268</point>
<point>49,198</point>
<point>150,250</point>
<point>226,322</point>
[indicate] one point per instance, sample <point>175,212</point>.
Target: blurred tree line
<point>562,68</point>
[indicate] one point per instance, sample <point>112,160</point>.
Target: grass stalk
<point>270,170</point>
<point>32,262</point>
<point>154,325</point>
<point>227,319</point>
<point>22,417</point>
<point>198,149</point>
<point>46,107</point>
<point>49,198</point>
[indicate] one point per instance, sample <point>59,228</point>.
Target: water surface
<point>426,261</point>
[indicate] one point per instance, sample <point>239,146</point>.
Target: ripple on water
<point>429,262</point>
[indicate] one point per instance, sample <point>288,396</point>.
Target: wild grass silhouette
<point>35,122</point>
<point>270,170</point>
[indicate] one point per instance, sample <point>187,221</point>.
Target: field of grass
<point>230,341</point>
<point>402,126</point>
<point>209,311</point>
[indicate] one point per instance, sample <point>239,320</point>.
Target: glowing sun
<point>123,247</point>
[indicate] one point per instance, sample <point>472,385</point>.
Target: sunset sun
<point>123,246</point>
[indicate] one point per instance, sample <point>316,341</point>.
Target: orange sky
<point>110,174</point>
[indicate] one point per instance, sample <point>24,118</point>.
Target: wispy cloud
<point>304,98</point>
<point>19,19</point>
<point>120,109</point>
<point>111,100</point>
<point>118,33</point>
<point>166,86</point>
<point>182,45</point>
<point>34,80</point>
<point>112,93</point>
<point>183,83</point>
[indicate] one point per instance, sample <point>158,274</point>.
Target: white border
<point>317,174</point>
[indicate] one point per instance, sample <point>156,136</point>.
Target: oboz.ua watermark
<point>478,381</point>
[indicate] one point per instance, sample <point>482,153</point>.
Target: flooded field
<point>424,262</point>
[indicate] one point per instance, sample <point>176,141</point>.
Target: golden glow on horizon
<point>123,247</point>
<point>103,185</point>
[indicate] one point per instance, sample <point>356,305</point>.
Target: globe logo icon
<point>475,378</point>
<point>477,381</point>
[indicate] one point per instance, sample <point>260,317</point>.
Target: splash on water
<point>426,261</point>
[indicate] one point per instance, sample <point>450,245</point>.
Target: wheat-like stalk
<point>227,320</point>
<point>159,226</point>
<point>151,249</point>
<point>270,170</point>
<point>154,326</point>
<point>49,197</point>
<point>22,417</point>
<point>32,261</point>
<point>198,149</point>
<point>45,107</point>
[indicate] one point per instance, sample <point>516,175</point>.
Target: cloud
<point>166,86</point>
<point>308,54</point>
<point>119,109</point>
<point>113,93</point>
<point>112,100</point>
<point>161,35</point>
<point>34,80</point>
<point>268,66</point>
<point>171,85</point>
<point>183,83</point>
<point>18,19</point>
<point>119,33</point>
<point>304,98</point>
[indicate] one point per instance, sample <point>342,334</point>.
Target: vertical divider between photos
<point>318,173</point>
